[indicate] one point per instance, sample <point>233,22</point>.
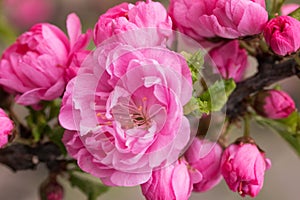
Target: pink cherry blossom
<point>205,157</point>
<point>282,34</point>
<point>123,112</point>
<point>274,104</point>
<point>172,182</point>
<point>39,64</point>
<point>6,127</point>
<point>227,19</point>
<point>243,167</point>
<point>230,60</point>
<point>150,16</point>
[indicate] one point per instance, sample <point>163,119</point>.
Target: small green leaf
<point>195,62</point>
<point>211,100</point>
<point>291,122</point>
<point>295,14</point>
<point>195,107</point>
<point>217,95</point>
<point>91,188</point>
<point>282,127</point>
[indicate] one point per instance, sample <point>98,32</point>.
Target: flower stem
<point>224,135</point>
<point>246,126</point>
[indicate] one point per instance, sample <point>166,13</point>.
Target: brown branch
<point>23,157</point>
<point>269,72</point>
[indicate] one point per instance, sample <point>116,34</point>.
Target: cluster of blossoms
<point>123,103</point>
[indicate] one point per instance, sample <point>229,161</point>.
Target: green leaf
<point>291,122</point>
<point>295,14</point>
<point>195,107</point>
<point>195,62</point>
<point>217,95</point>
<point>89,187</point>
<point>287,128</point>
<point>211,100</point>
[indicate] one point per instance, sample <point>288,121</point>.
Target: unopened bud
<point>51,190</point>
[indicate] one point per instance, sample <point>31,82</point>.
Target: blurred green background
<point>281,181</point>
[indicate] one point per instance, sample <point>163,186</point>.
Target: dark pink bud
<point>274,104</point>
<point>243,167</point>
<point>282,34</point>
<point>51,190</point>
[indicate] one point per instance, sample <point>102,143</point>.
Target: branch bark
<point>269,72</point>
<point>23,157</point>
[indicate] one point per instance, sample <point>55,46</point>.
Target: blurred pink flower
<point>243,167</point>
<point>39,64</point>
<point>286,9</point>
<point>282,34</point>
<point>230,60</point>
<point>172,182</point>
<point>25,13</point>
<point>124,112</point>
<point>205,157</point>
<point>150,16</point>
<point>6,127</point>
<point>227,19</point>
<point>274,104</point>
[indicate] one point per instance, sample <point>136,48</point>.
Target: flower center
<point>131,115</point>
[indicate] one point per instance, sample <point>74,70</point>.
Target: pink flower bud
<point>6,127</point>
<point>230,60</point>
<point>126,16</point>
<point>282,34</point>
<point>243,167</point>
<point>228,19</point>
<point>205,157</point>
<point>289,8</point>
<point>37,66</point>
<point>172,182</point>
<point>51,190</point>
<point>274,104</point>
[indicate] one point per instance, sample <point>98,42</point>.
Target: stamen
<point>140,108</point>
<point>108,123</point>
<point>101,115</point>
<point>240,189</point>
